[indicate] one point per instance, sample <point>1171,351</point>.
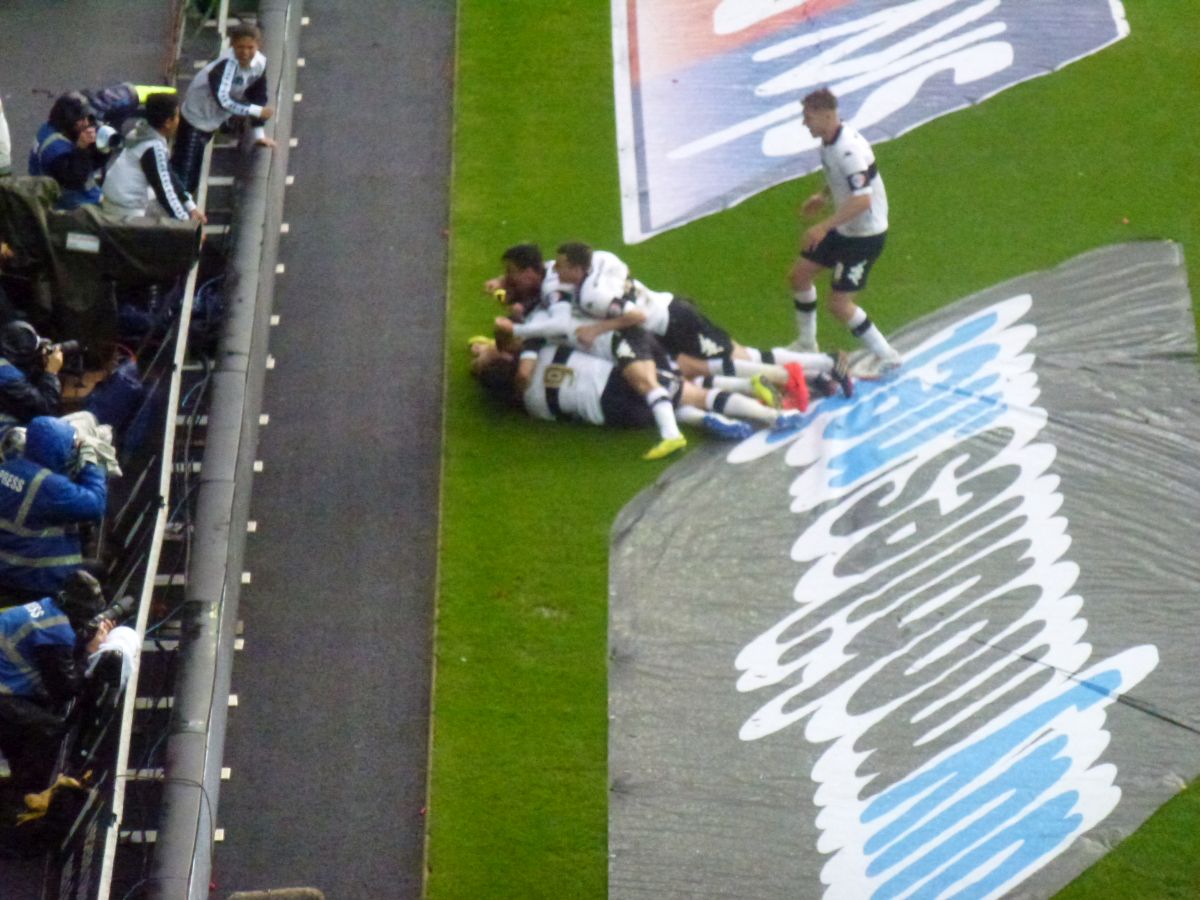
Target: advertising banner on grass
<point>708,91</point>
<point>939,641</point>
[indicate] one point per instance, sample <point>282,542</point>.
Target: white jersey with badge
<point>609,290</point>
<point>580,383</point>
<point>849,164</point>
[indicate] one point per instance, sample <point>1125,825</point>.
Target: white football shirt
<point>849,165</point>
<point>580,383</point>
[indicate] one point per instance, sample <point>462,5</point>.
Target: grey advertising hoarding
<point>940,640</point>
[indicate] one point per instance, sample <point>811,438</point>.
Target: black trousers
<point>30,736</point>
<point>188,154</point>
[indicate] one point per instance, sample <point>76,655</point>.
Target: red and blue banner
<point>708,91</point>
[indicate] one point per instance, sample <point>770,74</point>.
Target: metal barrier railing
<point>82,864</point>
<point>183,858</point>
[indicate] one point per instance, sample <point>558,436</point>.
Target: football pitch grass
<point>1101,152</point>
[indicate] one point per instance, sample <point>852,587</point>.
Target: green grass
<point>1033,177</point>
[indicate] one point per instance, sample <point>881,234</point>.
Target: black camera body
<point>116,612</point>
<point>69,349</point>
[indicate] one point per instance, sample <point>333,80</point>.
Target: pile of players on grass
<point>583,340</point>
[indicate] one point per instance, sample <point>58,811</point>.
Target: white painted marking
<point>300,62</point>
<point>264,419</point>
<point>280,268</point>
<point>294,142</point>
<point>290,180</point>
<point>270,361</point>
<point>304,20</point>
<point>258,465</point>
<point>284,227</point>
<point>296,98</point>
<point>245,578</point>
<point>220,181</point>
<point>275,319</point>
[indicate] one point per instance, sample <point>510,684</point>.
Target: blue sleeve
<point>62,500</point>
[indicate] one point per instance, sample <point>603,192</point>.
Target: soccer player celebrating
<point>559,383</point>
<point>606,291</point>
<point>850,238</point>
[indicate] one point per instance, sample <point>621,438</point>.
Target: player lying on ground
<point>526,283</point>
<point>604,290</point>
<point>530,289</point>
<point>559,383</point>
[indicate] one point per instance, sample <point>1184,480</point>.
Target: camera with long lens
<point>69,349</point>
<point>116,612</point>
<point>108,138</point>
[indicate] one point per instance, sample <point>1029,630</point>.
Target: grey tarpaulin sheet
<point>941,640</point>
<point>75,256</point>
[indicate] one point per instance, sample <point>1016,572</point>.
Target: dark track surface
<point>328,744</point>
<point>49,48</point>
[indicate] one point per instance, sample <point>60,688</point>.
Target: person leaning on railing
<point>233,84</point>
<point>140,181</point>
<point>45,496</point>
<point>41,648</point>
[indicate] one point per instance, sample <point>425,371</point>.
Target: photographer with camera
<point>29,367</point>
<point>43,645</point>
<point>45,496</point>
<point>72,147</point>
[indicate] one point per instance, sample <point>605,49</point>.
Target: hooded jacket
<point>141,173</point>
<point>40,507</point>
<point>54,154</point>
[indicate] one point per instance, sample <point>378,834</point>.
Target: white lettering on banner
<point>937,621</point>
<point>734,15</point>
<point>901,67</point>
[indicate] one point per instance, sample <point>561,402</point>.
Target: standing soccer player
<point>851,238</point>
